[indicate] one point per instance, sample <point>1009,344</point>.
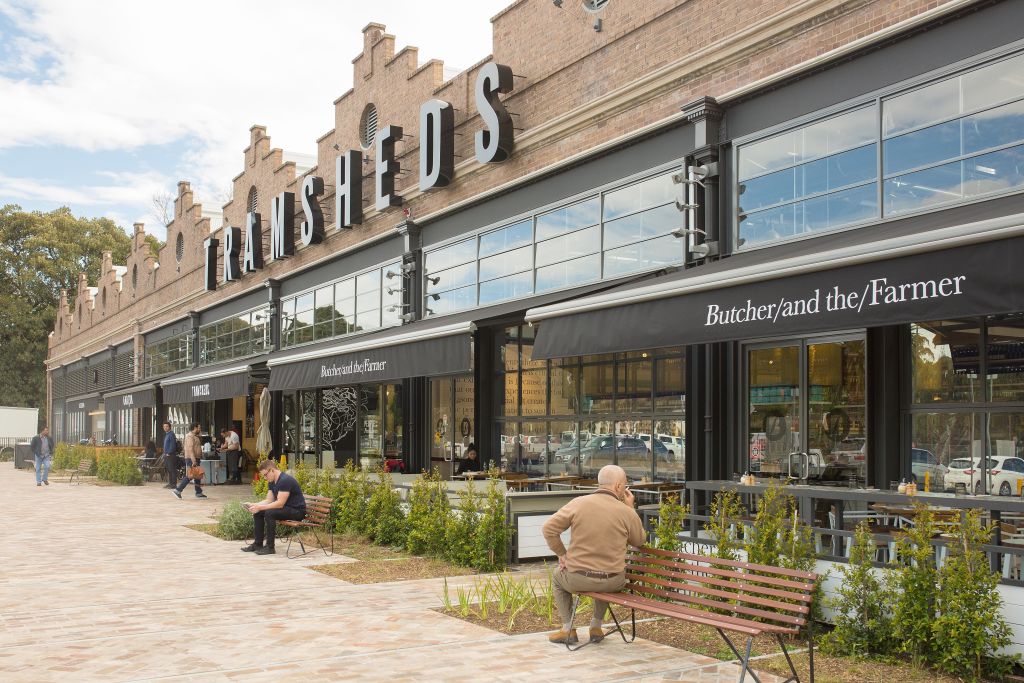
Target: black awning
<point>87,402</point>
<point>977,278</point>
<point>423,349</point>
<point>206,385</point>
<point>138,396</point>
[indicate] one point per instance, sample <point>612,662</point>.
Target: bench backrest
<point>84,465</point>
<point>318,509</point>
<point>748,591</point>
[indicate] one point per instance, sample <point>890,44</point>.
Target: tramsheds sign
<point>493,144</point>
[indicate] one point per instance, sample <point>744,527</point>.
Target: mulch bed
<point>704,640</point>
<point>387,570</point>
<point>210,529</point>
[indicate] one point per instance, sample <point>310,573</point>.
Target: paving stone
<point>107,584</point>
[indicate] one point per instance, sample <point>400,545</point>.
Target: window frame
<point>875,98</point>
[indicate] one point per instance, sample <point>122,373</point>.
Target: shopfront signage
<point>492,144</point>
<point>972,280</point>
<point>352,368</point>
<point>81,405</point>
<point>127,401</point>
<point>200,390</point>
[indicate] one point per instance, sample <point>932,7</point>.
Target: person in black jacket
<point>42,451</point>
<point>471,463</point>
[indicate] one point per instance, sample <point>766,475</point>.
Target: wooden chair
<point>317,519</point>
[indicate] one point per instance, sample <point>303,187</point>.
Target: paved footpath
<point>102,583</point>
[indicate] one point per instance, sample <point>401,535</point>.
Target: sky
<point>105,104</point>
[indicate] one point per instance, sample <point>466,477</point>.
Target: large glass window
<point>563,247</point>
<point>240,336</point>
<point>956,139</point>
<point>363,302</point>
<point>452,410</point>
<point>170,355</point>
<point>968,399</point>
<point>575,415</point>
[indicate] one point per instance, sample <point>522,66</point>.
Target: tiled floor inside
<point>105,583</point>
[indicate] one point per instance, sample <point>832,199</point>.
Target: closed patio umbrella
<point>263,444</point>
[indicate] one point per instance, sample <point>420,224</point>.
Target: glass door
<point>807,413</point>
<point>775,419</point>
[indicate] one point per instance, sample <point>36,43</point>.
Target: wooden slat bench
<point>84,468</point>
<point>318,518</point>
<point>740,597</point>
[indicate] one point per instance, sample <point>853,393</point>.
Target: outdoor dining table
<point>470,475</point>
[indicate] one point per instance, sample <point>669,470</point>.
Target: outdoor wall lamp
<point>698,251</point>
<point>434,280</point>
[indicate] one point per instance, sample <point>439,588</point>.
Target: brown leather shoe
<point>562,637</point>
<point>596,634</point>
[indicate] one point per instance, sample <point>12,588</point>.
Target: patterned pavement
<point>105,583</point>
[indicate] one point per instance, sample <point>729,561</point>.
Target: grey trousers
<point>567,583</point>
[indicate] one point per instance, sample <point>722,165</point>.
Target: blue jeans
<point>43,463</point>
<point>185,480</point>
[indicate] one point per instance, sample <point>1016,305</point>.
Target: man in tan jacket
<point>602,524</point>
<point>193,452</point>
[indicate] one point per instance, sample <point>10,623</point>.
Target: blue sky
<point>108,104</point>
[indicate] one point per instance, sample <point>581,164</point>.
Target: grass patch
<point>387,570</point>
<point>210,529</point>
<point>360,548</point>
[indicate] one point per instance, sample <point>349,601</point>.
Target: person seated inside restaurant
<point>150,452</point>
<point>471,462</point>
<point>284,501</point>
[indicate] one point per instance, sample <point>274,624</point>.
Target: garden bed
<point>388,570</point>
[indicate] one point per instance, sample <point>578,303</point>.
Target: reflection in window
<point>1005,360</point>
<point>945,360</point>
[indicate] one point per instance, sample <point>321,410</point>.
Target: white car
<point>1003,473</point>
<point>921,462</point>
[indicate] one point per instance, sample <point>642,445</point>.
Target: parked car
<point>674,443</point>
<point>1004,471</point>
<point>921,462</point>
<point>601,450</point>
<point>963,471</point>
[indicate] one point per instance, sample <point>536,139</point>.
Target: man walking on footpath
<point>193,451</point>
<point>42,451</point>
<point>603,524</point>
<point>284,501</point>
<point>171,459</point>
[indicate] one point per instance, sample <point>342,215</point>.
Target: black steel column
<point>888,437</point>
<point>276,397</point>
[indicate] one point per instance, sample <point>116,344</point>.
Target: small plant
<point>303,473</point>
<point>260,485</point>
<point>428,515</point>
<point>669,524</point>
<point>969,629</point>
<point>862,623</point>
<point>726,512</point>
<point>384,516</point>
<point>492,529</point>
<point>235,523</point>
<point>765,542</point>
<point>912,585</point>
<point>459,534</point>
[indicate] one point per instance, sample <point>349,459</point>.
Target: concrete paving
<point>105,583</point>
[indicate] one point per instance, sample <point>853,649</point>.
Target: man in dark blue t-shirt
<point>284,501</point>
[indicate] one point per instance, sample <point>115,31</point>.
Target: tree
<point>40,254</point>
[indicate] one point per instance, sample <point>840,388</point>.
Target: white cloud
<point>121,73</point>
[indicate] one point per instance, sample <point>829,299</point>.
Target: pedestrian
<point>284,501</point>
<point>171,459</point>
<point>232,449</point>
<point>603,525</point>
<point>193,451</point>
<point>42,451</point>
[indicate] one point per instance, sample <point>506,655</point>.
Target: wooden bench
<point>740,597</point>
<point>318,518</point>
<point>84,469</point>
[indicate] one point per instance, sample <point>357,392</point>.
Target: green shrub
<point>303,473</point>
<point>386,521</point>
<point>764,544</point>
<point>352,494</point>
<point>429,511</point>
<point>669,524</point>
<point>492,530</point>
<point>969,628</point>
<point>460,534</point>
<point>67,456</point>
<point>913,585</point>
<point>120,467</point>
<point>726,512</point>
<point>862,622</point>
<point>235,523</point>
<point>260,485</point>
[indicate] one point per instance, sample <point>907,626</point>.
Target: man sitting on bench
<point>602,525</point>
<point>284,501</point>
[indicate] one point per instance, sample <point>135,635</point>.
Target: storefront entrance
<point>806,409</point>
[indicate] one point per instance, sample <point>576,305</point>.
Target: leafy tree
<point>913,583</point>
<point>862,620</point>
<point>669,524</point>
<point>40,254</point>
